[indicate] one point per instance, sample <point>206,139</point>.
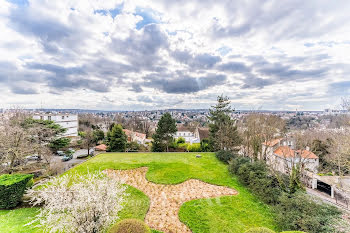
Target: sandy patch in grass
<point>166,200</point>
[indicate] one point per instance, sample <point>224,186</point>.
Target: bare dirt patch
<point>166,200</point>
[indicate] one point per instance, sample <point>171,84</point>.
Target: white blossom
<point>79,203</point>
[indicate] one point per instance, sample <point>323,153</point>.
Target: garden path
<point>166,200</point>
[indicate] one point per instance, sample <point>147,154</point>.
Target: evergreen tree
<point>116,139</point>
<point>223,133</point>
<point>166,129</point>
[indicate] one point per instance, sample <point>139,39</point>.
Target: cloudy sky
<point>139,54</point>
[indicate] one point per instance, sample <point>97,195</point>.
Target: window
<point>49,118</point>
<point>62,117</point>
<point>41,118</point>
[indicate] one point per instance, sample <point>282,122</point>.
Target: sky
<point>160,54</point>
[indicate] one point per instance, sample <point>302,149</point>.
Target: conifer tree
<point>223,133</point>
<point>164,135</point>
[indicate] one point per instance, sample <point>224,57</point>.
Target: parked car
<point>67,157</point>
<point>71,150</point>
<point>60,153</point>
<point>32,157</point>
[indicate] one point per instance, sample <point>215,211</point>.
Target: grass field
<point>224,214</point>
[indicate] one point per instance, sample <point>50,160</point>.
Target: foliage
<point>194,147</point>
<point>223,133</point>
<point>259,230</point>
<point>205,146</point>
<point>164,133</point>
<point>116,139</point>
<point>79,203</point>
<point>322,150</point>
<point>57,144</point>
<point>99,135</point>
<point>257,177</point>
<point>12,188</point>
<point>295,210</point>
<point>300,212</point>
<point>130,226</point>
<point>132,146</point>
<point>224,155</point>
<point>21,136</point>
<point>180,140</point>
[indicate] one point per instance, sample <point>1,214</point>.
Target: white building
<point>188,135</point>
<point>67,121</point>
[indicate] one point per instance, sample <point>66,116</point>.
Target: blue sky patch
<point>19,2</point>
<point>112,12</point>
<point>224,50</point>
<point>148,16</point>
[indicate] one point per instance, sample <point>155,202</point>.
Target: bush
<point>224,155</point>
<point>130,226</point>
<point>300,212</point>
<point>194,147</point>
<point>180,140</point>
<point>12,188</point>
<point>257,177</point>
<point>259,230</point>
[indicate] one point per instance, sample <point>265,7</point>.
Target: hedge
<point>12,188</point>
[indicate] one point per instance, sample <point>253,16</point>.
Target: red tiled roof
<point>130,133</point>
<point>102,147</point>
<point>273,142</point>
<point>287,152</point>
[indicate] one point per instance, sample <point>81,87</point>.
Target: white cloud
<point>105,54</point>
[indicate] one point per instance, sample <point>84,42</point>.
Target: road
<point>68,164</point>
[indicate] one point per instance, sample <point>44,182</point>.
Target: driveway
<point>75,160</point>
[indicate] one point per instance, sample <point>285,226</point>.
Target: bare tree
<point>15,141</point>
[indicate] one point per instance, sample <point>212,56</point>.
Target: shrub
<point>235,164</point>
<point>180,140</point>
<point>194,147</point>
<point>259,230</point>
<point>12,188</point>
<point>257,177</point>
<point>300,212</point>
<point>79,203</point>
<point>224,155</point>
<point>130,226</point>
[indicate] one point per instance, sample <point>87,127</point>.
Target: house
<point>281,155</point>
<point>66,121</point>
<point>140,138</point>
<point>201,133</point>
<point>187,134</point>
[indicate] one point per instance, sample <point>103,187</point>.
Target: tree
<point>99,135</point>
<point>165,131</point>
<point>59,143</point>
<point>223,133</point>
<point>116,139</point>
<point>43,134</point>
<point>79,203</point>
<point>89,139</point>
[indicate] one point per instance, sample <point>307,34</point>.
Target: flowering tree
<point>79,203</point>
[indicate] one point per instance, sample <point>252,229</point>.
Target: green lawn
<point>224,214</point>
